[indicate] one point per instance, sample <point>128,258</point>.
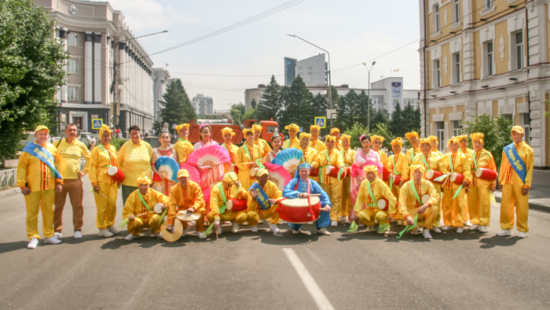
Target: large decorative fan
<point>289,159</point>
<point>167,168</point>
<point>278,175</point>
<point>206,194</point>
<point>193,172</point>
<point>211,155</point>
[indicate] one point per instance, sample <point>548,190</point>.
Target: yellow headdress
<point>433,138</point>
<point>377,138</point>
<point>227,130</point>
<point>413,168</point>
<point>517,129</point>
<point>256,127</point>
<point>411,134</point>
<point>452,140</point>
<point>334,130</point>
<point>305,135</point>
<point>247,130</point>
<point>478,136</point>
<point>463,137</point>
<point>293,126</point>
<point>397,140</point>
<point>143,179</point>
<point>330,139</point>
<point>261,172</point>
<point>345,137</point>
<point>104,128</point>
<point>41,127</point>
<point>371,168</point>
<point>230,177</point>
<point>425,140</point>
<point>179,127</point>
<point>183,173</point>
<point>315,127</point>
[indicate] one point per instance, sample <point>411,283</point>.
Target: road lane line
<point>318,296</point>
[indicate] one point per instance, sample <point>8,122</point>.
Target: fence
<point>8,178</point>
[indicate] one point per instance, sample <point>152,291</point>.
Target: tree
<point>411,119</point>
<point>496,131</point>
<point>188,109</point>
<point>383,131</point>
<point>355,132</point>
<point>380,117</point>
<point>270,103</point>
<point>31,62</point>
<point>175,106</point>
<point>250,114</point>
<point>347,110</point>
<point>396,124</point>
<point>296,104</point>
<point>237,112</point>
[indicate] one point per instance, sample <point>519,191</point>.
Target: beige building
<point>485,57</point>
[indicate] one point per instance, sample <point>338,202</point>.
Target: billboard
<point>396,93</point>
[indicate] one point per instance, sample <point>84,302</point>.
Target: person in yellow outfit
<point>435,145</point>
<point>331,185</point>
<point>227,134</point>
<point>395,165</point>
<point>412,205</point>
<point>183,147</point>
<point>39,180</point>
<point>264,146</point>
<point>429,160</point>
<point>271,193</point>
<point>453,207</point>
<point>105,188</point>
<point>377,147</point>
<point>70,152</point>
<point>348,155</point>
<point>309,154</point>
<point>246,159</point>
<point>372,190</point>
<point>414,140</point>
<point>138,209</point>
<point>515,184</point>
<point>335,132</point>
<point>479,196</point>
<point>186,196</point>
<point>463,147</point>
<point>292,141</point>
<point>228,188</point>
<point>134,159</point>
<point>315,143</point>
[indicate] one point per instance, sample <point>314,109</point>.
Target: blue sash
<point>42,154</point>
<point>261,197</point>
<point>515,161</point>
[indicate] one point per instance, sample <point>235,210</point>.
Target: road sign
<point>97,123</point>
<point>321,121</point>
<point>331,113</point>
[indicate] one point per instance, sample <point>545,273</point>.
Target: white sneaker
<point>78,234</point>
<point>323,231</point>
<point>522,235</point>
<point>58,235</point>
<point>343,219</point>
<point>105,233</point>
<point>158,235</point>
<point>131,237</point>
<point>52,240</point>
<point>334,223</point>
<point>426,234</point>
<point>459,230</point>
<point>296,232</point>
<point>468,223</point>
<point>370,228</point>
<point>416,231</point>
<point>200,235</point>
<point>361,225</point>
<point>474,227</point>
<point>483,229</point>
<point>32,244</point>
<point>113,230</point>
<point>505,232</point>
<point>186,230</point>
<point>254,228</point>
<point>437,230</point>
<point>235,228</point>
<point>274,229</point>
<point>445,228</point>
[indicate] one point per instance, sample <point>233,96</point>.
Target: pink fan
<point>211,155</point>
<point>278,175</point>
<point>206,194</point>
<point>193,173</point>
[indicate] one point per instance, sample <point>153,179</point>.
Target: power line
<point>227,75</point>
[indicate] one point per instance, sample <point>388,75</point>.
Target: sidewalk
<point>539,195</point>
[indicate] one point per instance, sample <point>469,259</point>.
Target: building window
<point>489,57</point>
<point>489,4</point>
<point>525,120</point>
<point>457,128</point>
<point>72,66</point>
<point>440,133</point>
<point>437,74</point>
<point>456,11</point>
<point>72,40</point>
<point>72,93</point>
<point>456,68</point>
<point>437,20</point>
<point>517,50</point>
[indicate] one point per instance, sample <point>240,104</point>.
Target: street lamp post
<point>329,74</point>
<point>369,103</point>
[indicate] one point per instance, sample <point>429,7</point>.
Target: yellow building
<point>485,57</point>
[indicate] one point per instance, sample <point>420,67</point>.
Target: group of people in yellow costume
<point>417,189</point>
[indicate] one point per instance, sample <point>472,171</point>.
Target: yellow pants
<point>199,223</point>
<point>135,227</point>
<point>395,191</point>
<point>466,207</point>
<point>334,192</point>
<point>237,217</point>
<point>245,178</point>
<point>479,203</point>
<point>36,201</point>
<point>369,215</point>
<point>106,207</point>
<point>255,216</point>
<point>437,217</point>
<point>511,195</point>
<point>426,218</point>
<point>346,197</point>
<point>453,209</point>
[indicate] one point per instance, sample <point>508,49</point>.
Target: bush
<point>383,131</point>
<point>117,143</point>
<point>355,132</point>
<point>496,131</point>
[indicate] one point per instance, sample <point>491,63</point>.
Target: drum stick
<point>314,195</point>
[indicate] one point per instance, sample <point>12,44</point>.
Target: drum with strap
<point>432,175</point>
<point>457,178</point>
<point>385,174</point>
<point>253,172</point>
<point>236,205</point>
<point>116,174</point>
<point>299,211</point>
<point>158,208</point>
<point>486,174</point>
<point>332,171</point>
<point>396,179</point>
<point>426,198</point>
<point>383,204</point>
<point>314,172</point>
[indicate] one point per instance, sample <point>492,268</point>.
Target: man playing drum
<point>266,196</point>
<point>228,188</point>
<point>186,196</point>
<point>138,209</point>
<point>303,187</point>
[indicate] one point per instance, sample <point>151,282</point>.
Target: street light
<point>329,74</point>
<point>369,102</point>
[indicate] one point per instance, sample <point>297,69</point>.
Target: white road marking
<point>316,293</point>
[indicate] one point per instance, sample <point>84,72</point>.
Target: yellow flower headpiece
<point>230,177</point>
<point>371,168</point>
<point>463,137</point>
<point>452,140</point>
<point>305,135</point>
<point>227,130</point>
<point>104,128</point>
<point>373,138</point>
<point>411,134</point>
<point>330,139</point>
<point>334,130</point>
<point>398,141</point>
<point>143,179</point>
<point>179,127</point>
<point>293,126</point>
<point>314,127</point>
<point>434,138</point>
<point>247,130</point>
<point>478,136</point>
<point>413,168</point>
<point>257,127</point>
<point>345,137</point>
<point>425,140</point>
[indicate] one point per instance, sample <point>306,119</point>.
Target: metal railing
<point>8,178</point>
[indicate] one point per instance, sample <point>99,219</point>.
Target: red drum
<point>426,198</point>
<point>486,174</point>
<point>457,178</point>
<point>116,174</point>
<point>396,179</point>
<point>314,172</point>
<point>348,172</point>
<point>383,204</point>
<point>253,171</point>
<point>332,171</point>
<point>236,205</point>
<point>385,174</point>
<point>298,211</point>
<point>433,174</point>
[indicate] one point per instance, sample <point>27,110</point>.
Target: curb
<point>10,192</point>
<point>534,206</point>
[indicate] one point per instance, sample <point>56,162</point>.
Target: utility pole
<point>369,102</point>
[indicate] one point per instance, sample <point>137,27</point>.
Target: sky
<point>223,66</point>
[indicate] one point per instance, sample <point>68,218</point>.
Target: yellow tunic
<point>461,165</point>
<point>232,149</point>
<point>310,156</point>
<point>432,160</point>
<point>69,158</point>
<point>182,199</point>
<point>348,156</point>
<point>135,161</point>
<point>318,145</point>
<point>380,190</point>
<point>408,160</point>
<point>479,197</point>
<point>216,201</point>
<point>508,175</point>
<point>143,217</point>
<point>255,212</point>
<point>408,204</point>
<point>264,146</point>
<point>335,159</point>
<point>244,162</point>
<point>99,162</point>
<point>36,175</point>
<point>484,159</point>
<point>291,143</point>
<point>383,157</point>
<point>183,148</point>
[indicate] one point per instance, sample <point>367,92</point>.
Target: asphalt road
<point>257,270</point>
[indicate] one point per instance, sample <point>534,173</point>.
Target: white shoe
<point>426,234</point>
<point>416,231</point>
<point>105,233</point>
<point>113,230</point>
<point>522,235</point>
<point>323,231</point>
<point>131,237</point>
<point>296,232</point>
<point>445,228</point>
<point>158,235</point>
<point>254,228</point>
<point>186,230</point>
<point>437,230</point>
<point>400,222</point>
<point>483,229</point>
<point>235,228</point>
<point>32,244</point>
<point>370,228</point>
<point>274,229</point>
<point>474,227</point>
<point>334,223</point>
<point>343,219</point>
<point>200,235</point>
<point>505,232</point>
<point>220,229</point>
<point>58,235</point>
<point>468,223</point>
<point>361,225</point>
<point>78,234</point>
<point>52,240</point>
<point>459,230</point>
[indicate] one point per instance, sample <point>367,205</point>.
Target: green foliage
<point>117,143</point>
<point>548,104</point>
<point>213,116</point>
<point>250,114</point>
<point>270,103</point>
<point>175,106</point>
<point>347,110</point>
<point>237,112</point>
<point>496,131</point>
<point>397,122</point>
<point>31,70</point>
<point>356,131</point>
<point>411,119</point>
<point>296,102</point>
<point>380,117</point>
<point>383,131</point>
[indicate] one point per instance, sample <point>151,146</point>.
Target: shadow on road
<point>489,243</point>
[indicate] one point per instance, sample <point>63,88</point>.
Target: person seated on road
<point>267,196</point>
<point>302,187</point>
<point>186,196</point>
<point>139,209</point>
<point>226,189</point>
<point>367,209</point>
<point>411,205</point>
